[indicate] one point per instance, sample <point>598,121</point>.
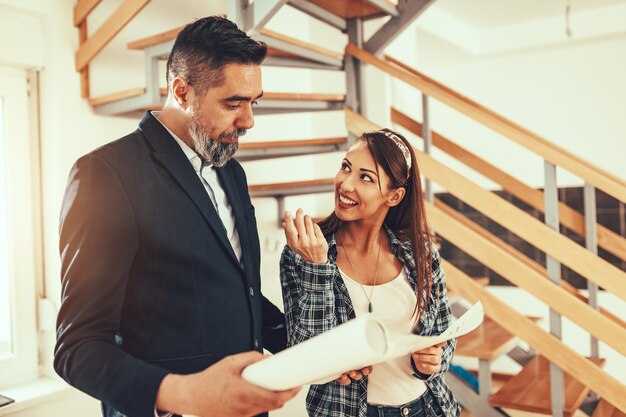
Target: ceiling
<point>490,13</point>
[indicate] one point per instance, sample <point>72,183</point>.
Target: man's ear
<point>180,92</point>
<point>396,196</point>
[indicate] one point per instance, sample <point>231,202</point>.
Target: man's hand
<point>220,391</point>
<point>428,361</point>
<point>354,375</point>
<point>305,237</point>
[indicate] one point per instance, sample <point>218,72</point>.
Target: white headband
<point>402,146</point>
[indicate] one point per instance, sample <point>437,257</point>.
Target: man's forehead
<point>239,80</point>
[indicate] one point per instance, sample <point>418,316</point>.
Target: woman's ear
<point>396,196</point>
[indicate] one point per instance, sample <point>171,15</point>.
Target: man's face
<point>224,113</point>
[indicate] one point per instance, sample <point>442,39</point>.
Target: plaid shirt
<point>316,300</point>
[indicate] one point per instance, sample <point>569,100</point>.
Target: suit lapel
<point>231,189</point>
<point>173,159</point>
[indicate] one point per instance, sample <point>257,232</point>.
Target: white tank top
<point>391,383</point>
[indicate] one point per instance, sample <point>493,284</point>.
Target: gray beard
<point>214,151</point>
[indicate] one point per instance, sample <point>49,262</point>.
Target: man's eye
<point>232,106</point>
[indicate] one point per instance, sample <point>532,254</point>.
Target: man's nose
<point>246,118</point>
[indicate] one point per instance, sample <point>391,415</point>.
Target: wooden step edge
<point>294,184</point>
<point>303,97</point>
<point>606,409</point>
<point>294,143</point>
<point>349,9</point>
<point>301,44</point>
<point>149,41</point>
<point>120,95</point>
<point>134,92</point>
<point>530,389</point>
<point>171,34</point>
<point>488,342</point>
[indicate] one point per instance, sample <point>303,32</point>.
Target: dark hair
<point>203,47</point>
<point>408,219</point>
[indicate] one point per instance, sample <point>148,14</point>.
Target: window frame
<point>23,231</point>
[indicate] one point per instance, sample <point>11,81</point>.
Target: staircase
<point>554,379</point>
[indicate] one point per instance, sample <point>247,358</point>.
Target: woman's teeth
<point>346,200</point>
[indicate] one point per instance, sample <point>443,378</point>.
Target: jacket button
<point>405,411</point>
<point>251,291</point>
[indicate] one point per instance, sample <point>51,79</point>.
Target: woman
<point>372,254</point>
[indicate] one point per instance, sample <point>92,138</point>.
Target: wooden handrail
<point>547,345</point>
<point>519,222</point>
<point>527,278</point>
<point>558,156</point>
<point>520,256</point>
<point>111,27</point>
<point>570,218</point>
<point>82,9</point>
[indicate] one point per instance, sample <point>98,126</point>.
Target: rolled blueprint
<point>356,344</point>
<point>352,345</point>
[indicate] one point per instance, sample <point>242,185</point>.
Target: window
<point>18,326</point>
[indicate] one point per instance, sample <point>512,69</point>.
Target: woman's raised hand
<point>305,237</point>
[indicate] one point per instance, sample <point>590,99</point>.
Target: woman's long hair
<point>408,219</point>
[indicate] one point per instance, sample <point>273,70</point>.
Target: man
<point>160,252</point>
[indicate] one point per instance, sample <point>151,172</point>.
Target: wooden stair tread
<point>294,184</point>
<point>349,9</point>
<point>171,34</point>
<point>149,41</point>
<point>120,95</point>
<point>605,409</point>
<point>135,92</point>
<point>304,96</point>
<point>530,389</point>
<point>291,143</point>
<point>489,341</point>
<point>272,51</point>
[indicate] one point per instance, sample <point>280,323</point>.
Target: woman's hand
<point>428,361</point>
<point>348,377</point>
<point>305,237</point>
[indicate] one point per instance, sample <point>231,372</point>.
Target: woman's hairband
<point>403,148</point>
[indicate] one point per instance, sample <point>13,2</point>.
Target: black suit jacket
<point>151,284</point>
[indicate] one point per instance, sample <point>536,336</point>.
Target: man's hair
<point>205,46</point>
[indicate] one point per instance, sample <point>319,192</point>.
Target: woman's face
<point>358,195</point>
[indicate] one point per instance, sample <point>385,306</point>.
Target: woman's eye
<point>345,167</point>
<point>366,178</point>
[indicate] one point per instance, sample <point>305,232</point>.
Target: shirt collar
<point>191,155</point>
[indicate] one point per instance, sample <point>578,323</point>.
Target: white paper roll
<point>352,345</point>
